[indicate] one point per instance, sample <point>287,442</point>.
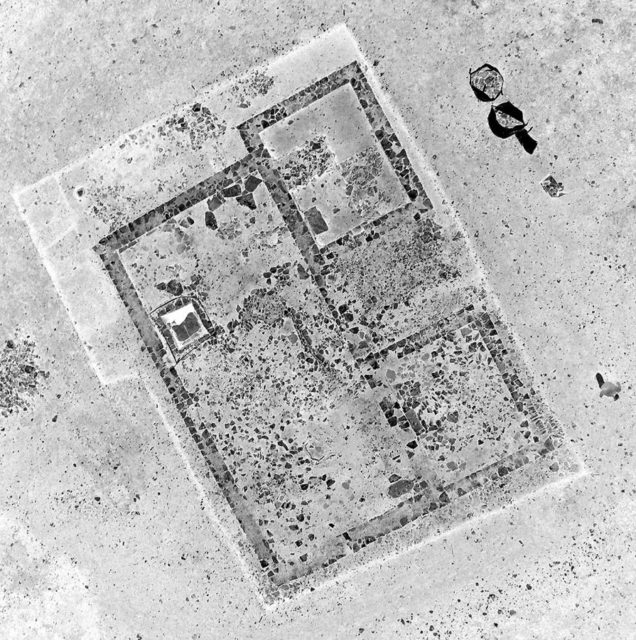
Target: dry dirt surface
<point>307,331</point>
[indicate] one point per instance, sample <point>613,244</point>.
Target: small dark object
<point>553,188</point>
<point>247,200</point>
<point>609,389</point>
<point>526,140</point>
<point>400,487</point>
<point>506,120</point>
<point>210,220</point>
<point>232,191</point>
<point>215,202</point>
<point>187,328</point>
<point>174,287</point>
<point>316,221</point>
<point>486,82</point>
<point>251,183</point>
